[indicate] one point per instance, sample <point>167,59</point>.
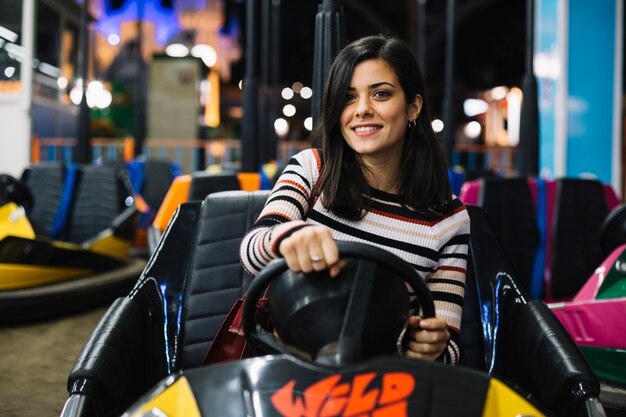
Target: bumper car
<point>566,238</point>
<point>592,317</point>
<point>64,241</point>
<point>144,357</point>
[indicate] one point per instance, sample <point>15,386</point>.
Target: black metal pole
<point>421,35</point>
<point>448,99</point>
<point>274,65</point>
<point>330,36</point>
<point>249,145</point>
<point>140,85</point>
<point>529,118</point>
<point>82,150</point>
<point>264,84</point>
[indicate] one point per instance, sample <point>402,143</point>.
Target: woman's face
<point>375,117</point>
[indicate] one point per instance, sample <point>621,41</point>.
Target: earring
<point>412,124</point>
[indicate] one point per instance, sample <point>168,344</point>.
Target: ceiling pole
<point>330,36</point>
<point>249,145</point>
<point>421,35</point>
<point>265,142</point>
<point>82,150</point>
<point>529,118</point>
<point>140,86</point>
<point>274,76</point>
<point>449,118</point>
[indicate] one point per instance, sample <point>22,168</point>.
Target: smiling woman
<point>380,178</point>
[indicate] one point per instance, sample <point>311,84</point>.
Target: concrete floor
<point>35,360</point>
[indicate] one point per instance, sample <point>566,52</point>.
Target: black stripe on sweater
<point>256,263</point>
<point>453,255</point>
<point>290,200</point>
<point>270,220</point>
<point>343,228</point>
<point>445,281</point>
<point>462,239</point>
<point>447,297</point>
<point>286,235</point>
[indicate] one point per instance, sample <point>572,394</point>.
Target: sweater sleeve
<point>447,282</point>
<point>283,213</point>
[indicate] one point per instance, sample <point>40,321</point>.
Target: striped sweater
<point>436,246</point>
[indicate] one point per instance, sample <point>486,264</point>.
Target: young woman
<point>381,178</point>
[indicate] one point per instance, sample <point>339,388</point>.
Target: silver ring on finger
<point>316,259</point>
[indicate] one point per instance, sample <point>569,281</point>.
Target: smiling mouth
<point>366,129</point>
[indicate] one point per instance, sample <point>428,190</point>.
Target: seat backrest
<point>488,269</point>
<point>157,177</point>
<point>580,208</point>
<point>45,182</point>
<point>511,209</point>
<point>216,278</point>
<point>205,183</point>
<point>102,194</point>
<point>550,229</point>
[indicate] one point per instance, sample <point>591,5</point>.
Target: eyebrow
<point>375,85</point>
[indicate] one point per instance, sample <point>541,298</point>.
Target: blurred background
<point>165,78</point>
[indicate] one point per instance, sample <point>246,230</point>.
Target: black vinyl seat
<point>580,208</point>
<point>516,339</point>
<point>511,210</point>
<point>169,319</point>
<point>549,229</point>
<point>157,177</point>
<point>77,202</point>
<point>202,184</point>
<point>190,283</point>
<point>45,181</point>
<point>103,193</point>
<point>205,183</point>
<point>216,278</point>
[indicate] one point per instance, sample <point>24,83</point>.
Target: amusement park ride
<point>537,342</point>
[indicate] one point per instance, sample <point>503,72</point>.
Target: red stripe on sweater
<point>317,159</point>
<point>451,268</point>
<point>415,221</point>
<point>260,250</point>
<point>295,184</point>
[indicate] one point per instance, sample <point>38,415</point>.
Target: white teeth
<point>365,129</point>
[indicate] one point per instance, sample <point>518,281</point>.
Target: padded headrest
<point>204,183</point>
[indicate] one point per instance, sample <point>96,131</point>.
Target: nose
<point>363,108</point>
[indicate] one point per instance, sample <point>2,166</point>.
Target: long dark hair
<point>423,181</point>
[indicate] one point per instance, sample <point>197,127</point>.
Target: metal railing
<point>190,154</point>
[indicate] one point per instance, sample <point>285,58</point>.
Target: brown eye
<point>382,94</point>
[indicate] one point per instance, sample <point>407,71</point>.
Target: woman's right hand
<point>311,248</point>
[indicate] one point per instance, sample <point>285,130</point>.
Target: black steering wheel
<point>14,190</point>
<point>367,259</point>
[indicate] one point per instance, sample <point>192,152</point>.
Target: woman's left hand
<point>429,338</point>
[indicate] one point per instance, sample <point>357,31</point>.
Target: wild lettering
<point>367,394</point>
